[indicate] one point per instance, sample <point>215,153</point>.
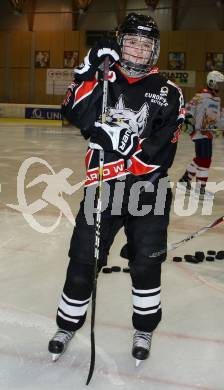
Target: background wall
<point>53,15</point>
<point>21,82</point>
<point>199,31</point>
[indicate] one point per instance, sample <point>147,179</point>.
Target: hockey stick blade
<point>92,360</point>
<point>174,245</point>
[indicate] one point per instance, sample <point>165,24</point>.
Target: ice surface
<point>187,349</point>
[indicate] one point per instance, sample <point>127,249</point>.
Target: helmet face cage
<point>137,66</point>
<point>140,26</point>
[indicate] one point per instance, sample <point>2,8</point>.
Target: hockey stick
<point>174,245</point>
<point>98,224</point>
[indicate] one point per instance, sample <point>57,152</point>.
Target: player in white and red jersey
<point>202,118</point>
<point>221,122</point>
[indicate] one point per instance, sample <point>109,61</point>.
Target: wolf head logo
<point>134,120</point>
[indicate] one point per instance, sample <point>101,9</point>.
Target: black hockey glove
<point>103,48</point>
<point>114,137</point>
<point>189,125</point>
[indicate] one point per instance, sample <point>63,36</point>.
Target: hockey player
<point>202,118</point>
<point>143,122</point>
<point>221,123</point>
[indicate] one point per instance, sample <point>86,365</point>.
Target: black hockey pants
<point>145,235</point>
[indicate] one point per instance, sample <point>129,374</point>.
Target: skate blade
<point>55,356</point>
<point>201,198</point>
<point>183,188</point>
<point>206,199</point>
<point>137,362</point>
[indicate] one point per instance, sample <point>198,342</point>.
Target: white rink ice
<point>188,346</point>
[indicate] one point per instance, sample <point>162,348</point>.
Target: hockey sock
<point>146,296</point>
<point>75,297</point>
<point>191,170</point>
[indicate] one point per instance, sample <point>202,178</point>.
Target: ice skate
<point>202,193</point>
<point>141,346</point>
<point>185,185</point>
<point>196,190</point>
<point>58,344</point>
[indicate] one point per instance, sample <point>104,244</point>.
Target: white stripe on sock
<point>144,302</point>
<point>67,318</point>
<point>74,300</point>
<point>152,290</point>
<point>143,313</point>
<point>72,310</point>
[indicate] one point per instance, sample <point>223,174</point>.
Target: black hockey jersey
<point>152,106</point>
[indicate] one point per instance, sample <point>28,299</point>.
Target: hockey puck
<point>124,252</point>
<point>107,270</point>
<point>220,255</point>
<point>126,270</point>
<point>210,258</point>
<point>115,268</point>
<point>211,253</point>
<point>191,259</point>
<point>200,256</point>
<point>177,259</point>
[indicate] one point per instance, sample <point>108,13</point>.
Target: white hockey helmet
<point>214,78</point>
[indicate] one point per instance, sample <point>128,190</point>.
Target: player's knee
<point>80,275</point>
<point>157,260</point>
<point>144,263</point>
<point>142,269</point>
